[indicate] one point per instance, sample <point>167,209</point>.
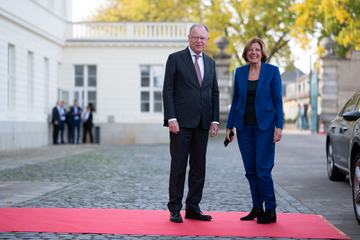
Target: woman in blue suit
<point>257,114</point>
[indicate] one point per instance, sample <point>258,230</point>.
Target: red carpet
<point>155,222</point>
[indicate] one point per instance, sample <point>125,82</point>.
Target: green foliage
<point>339,18</point>
<point>148,10</point>
<point>240,20</point>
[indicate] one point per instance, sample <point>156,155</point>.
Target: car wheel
<point>333,173</point>
<point>356,186</point>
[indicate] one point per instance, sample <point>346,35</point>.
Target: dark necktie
<point>197,69</point>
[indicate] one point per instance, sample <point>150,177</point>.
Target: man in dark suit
<point>62,122</point>
<point>68,121</point>
<point>56,121</point>
<point>191,109</point>
<point>76,121</point>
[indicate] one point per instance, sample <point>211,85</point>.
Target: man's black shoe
<point>175,216</point>
<point>197,215</point>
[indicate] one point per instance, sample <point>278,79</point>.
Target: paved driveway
<point>136,177</point>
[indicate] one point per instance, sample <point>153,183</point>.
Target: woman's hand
<point>228,130</point>
<point>277,135</point>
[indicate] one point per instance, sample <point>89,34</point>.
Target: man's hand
<point>56,122</point>
<point>174,127</point>
<point>277,135</point>
<point>214,129</point>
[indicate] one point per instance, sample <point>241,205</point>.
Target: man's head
<point>58,103</point>
<point>75,102</point>
<point>198,37</point>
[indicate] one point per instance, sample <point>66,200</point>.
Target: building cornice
<point>126,43</point>
<point>25,24</point>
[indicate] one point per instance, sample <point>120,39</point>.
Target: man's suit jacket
<point>55,115</point>
<point>73,115</point>
<point>268,100</point>
<point>183,97</point>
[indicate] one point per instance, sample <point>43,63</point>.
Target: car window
<point>349,106</point>
<point>357,108</point>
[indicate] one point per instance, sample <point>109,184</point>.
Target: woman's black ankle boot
<point>268,217</point>
<point>256,212</point>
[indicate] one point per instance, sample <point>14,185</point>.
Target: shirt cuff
<point>171,119</point>
<point>216,123</point>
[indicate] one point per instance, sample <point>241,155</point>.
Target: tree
<point>238,20</point>
<point>148,10</point>
<point>337,18</point>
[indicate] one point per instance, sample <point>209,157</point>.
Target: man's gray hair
<point>198,25</point>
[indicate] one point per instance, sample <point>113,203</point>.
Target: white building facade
<point>117,67</point>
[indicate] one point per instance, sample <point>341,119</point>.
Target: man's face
<point>75,103</point>
<point>198,39</point>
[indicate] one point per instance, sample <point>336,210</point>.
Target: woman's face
<point>254,53</point>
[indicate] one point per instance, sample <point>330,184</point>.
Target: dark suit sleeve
<point>277,98</point>
<point>168,90</point>
<point>55,115</point>
<point>90,120</point>
<point>235,99</point>
<point>215,98</point>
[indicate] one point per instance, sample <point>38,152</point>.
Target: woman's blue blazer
<point>268,100</point>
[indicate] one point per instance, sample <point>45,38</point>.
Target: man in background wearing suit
<point>62,122</point>
<point>76,121</point>
<point>56,121</point>
<point>191,109</point>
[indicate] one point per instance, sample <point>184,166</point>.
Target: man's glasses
<point>197,38</point>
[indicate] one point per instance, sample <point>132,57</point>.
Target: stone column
<point>328,81</point>
<point>222,62</point>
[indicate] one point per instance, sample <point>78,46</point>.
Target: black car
<point>343,148</point>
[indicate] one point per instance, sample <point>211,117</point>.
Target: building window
<point>85,85</point>
<point>79,76</point>
<point>11,77</point>
<point>30,80</point>
<point>151,86</point>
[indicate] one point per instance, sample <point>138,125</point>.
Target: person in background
<point>308,115</point>
<point>62,122</point>
<point>87,124</point>
<point>76,121</point>
<point>56,121</point>
<point>257,114</point>
<point>68,121</point>
<point>302,117</point>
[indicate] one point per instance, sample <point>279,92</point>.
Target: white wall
<point>29,27</point>
<point>118,78</point>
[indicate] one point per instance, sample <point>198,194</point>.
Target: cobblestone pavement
<point>136,177</point>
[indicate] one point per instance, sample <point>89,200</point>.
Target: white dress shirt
<point>76,109</point>
<point>86,116</point>
<point>200,61</point>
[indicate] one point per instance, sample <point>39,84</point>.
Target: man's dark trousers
<point>194,143</point>
<point>55,133</point>
<point>76,124</point>
<point>62,128</point>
